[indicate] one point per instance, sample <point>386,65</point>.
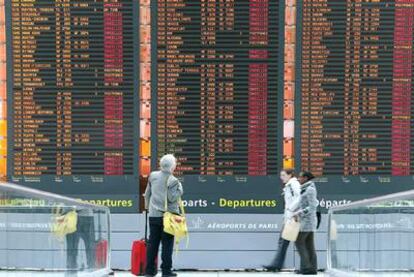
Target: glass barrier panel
<point>373,235</point>
<point>47,232</point>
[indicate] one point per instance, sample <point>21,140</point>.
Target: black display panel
<point>355,95</point>
<point>218,95</point>
<point>72,103</point>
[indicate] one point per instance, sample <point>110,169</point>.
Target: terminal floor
<point>240,274</point>
<point>199,274</point>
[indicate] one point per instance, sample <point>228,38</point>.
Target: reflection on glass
<point>52,233</point>
<point>373,235</point>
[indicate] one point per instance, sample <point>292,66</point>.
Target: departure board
<point>217,85</point>
<point>217,92</point>
<point>355,100</point>
<point>73,124</point>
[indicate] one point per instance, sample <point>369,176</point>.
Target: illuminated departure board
<point>218,93</point>
<point>217,86</point>
<point>72,99</point>
<point>99,90</point>
<point>355,99</point>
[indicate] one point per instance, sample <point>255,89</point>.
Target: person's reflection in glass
<point>86,232</point>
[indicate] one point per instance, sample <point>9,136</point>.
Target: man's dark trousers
<point>157,236</point>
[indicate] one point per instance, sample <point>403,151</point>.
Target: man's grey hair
<point>168,163</point>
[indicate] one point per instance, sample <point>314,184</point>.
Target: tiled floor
<point>222,274</point>
<point>202,274</point>
<point>127,274</point>
<point>243,274</point>
<point>265,274</point>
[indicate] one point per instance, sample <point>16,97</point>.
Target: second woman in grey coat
<point>308,223</point>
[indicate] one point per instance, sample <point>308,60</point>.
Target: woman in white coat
<point>291,194</point>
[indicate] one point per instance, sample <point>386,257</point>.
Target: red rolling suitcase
<point>138,257</point>
<point>139,253</point>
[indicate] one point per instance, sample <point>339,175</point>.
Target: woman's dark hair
<point>289,171</point>
<point>307,175</point>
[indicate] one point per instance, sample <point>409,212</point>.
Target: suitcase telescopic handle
<point>146,225</point>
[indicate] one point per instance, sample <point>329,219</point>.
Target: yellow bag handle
<point>181,206</point>
<point>180,202</point>
<point>166,194</point>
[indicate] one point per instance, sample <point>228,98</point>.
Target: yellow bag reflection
<point>64,224</point>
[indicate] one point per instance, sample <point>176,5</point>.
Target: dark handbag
<point>318,218</point>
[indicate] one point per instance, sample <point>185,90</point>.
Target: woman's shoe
<point>271,268</point>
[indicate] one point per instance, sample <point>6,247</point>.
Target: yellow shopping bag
<point>175,224</point>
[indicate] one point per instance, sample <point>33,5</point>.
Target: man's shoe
<point>271,268</point>
<point>309,273</point>
<point>171,274</point>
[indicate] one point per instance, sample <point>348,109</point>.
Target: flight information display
<point>99,90</point>
<point>355,99</point>
<point>73,124</point>
<point>217,92</point>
